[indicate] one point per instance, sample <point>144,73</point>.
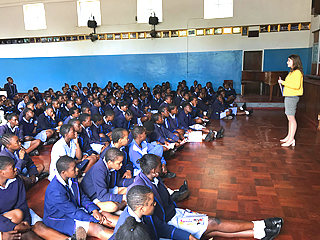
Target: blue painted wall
<point>276,59</point>
<point>137,68</point>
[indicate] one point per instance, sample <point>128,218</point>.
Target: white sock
<point>118,213</point>
<point>37,179</point>
<point>215,133</point>
<point>247,112</point>
<point>241,108</point>
<point>258,229</point>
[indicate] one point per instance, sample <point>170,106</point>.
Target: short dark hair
<point>73,110</point>
<point>73,120</point>
<point>95,100</point>
<point>137,130</point>
<point>149,162</point>
<point>161,109</point>
<point>10,116</point>
<point>96,117</point>
<point>64,129</point>
<point>137,196</point>
<point>5,161</point>
<point>83,117</point>
<point>117,134</point>
<point>63,163</point>
<point>111,154</point>
<point>171,106</point>
<point>83,108</point>
<point>48,107</point>
<point>192,97</point>
<point>26,110</point>
<point>129,113</point>
<point>122,104</point>
<point>109,113</point>
<point>184,104</point>
<point>155,117</point>
<point>149,126</point>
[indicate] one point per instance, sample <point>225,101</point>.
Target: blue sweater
<point>156,228</point>
<point>13,197</point>
<point>99,179</point>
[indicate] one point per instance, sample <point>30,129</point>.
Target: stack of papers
<point>195,136</point>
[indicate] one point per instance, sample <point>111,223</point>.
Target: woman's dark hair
<point>149,162</point>
<point>132,230</point>
<point>111,154</point>
<point>117,134</point>
<point>5,161</point>
<point>297,64</point>
<point>5,139</point>
<point>63,163</point>
<point>65,128</point>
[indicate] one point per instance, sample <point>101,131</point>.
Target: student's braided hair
<point>5,139</point>
<point>132,230</point>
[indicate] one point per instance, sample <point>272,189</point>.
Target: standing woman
<point>293,89</point>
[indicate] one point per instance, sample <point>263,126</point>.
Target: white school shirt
<point>60,149</point>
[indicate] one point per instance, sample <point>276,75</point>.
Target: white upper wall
<point>119,16</point>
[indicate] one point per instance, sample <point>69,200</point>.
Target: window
<point>218,9</point>
<point>146,8</point>
<point>34,16</point>
<point>87,9</point>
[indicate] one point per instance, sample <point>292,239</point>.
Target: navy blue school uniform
<point>88,133</point>
<point>64,113</point>
<point>7,129</point>
<point>63,206</point>
<point>195,111</point>
<point>165,208</point>
<point>13,196</point>
<point>87,104</point>
<point>185,120</point>
<point>96,130</point>
<point>164,104</point>
<point>137,113</point>
<point>95,110</point>
<point>121,122</point>
<point>84,143</point>
<point>177,100</point>
<point>171,123</point>
<point>117,112</point>
<point>99,179</point>
<point>20,164</point>
<point>110,107</point>
<point>45,122</point>
<point>38,96</point>
<point>126,163</point>
<point>27,127</point>
<point>201,104</point>
<point>230,92</point>
<point>37,112</point>
<point>161,134</point>
<point>217,107</point>
<point>83,97</point>
<point>157,229</point>
<point>155,104</point>
<point>11,90</point>
<point>107,126</point>
<point>11,109</point>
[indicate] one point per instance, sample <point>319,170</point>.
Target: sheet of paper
<point>195,136</point>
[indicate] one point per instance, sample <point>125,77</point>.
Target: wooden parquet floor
<point>246,175</point>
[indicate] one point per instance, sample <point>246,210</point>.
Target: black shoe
<point>209,136</point>
<point>272,222</point>
<point>272,233</point>
<point>178,196</point>
<point>51,141</point>
<point>250,111</point>
<point>180,147</point>
<point>168,175</point>
<point>220,133</point>
<point>243,107</point>
<point>42,176</point>
<point>172,152</point>
<point>184,186</point>
<point>34,153</point>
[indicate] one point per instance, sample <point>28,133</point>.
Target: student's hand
<point>98,216</point>
<point>124,198</point>
<point>127,174</point>
<point>85,156</point>
<point>164,169</point>
<point>22,227</point>
<point>179,141</point>
<point>102,135</point>
<point>189,130</point>
<point>53,117</point>
<point>176,144</point>
<point>22,153</point>
<point>192,237</point>
<point>166,143</point>
<point>33,179</point>
<point>11,235</point>
<point>109,134</point>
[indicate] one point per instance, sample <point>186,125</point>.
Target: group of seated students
<point>108,159</point>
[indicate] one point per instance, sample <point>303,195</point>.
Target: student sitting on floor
<point>47,121</point>
<point>28,105</point>
<point>96,108</point>
<point>112,104</point>
<point>138,116</point>
<point>83,140</point>
<point>104,184</point>
<point>65,110</point>
<point>12,126</point>
<point>96,145</point>
<point>66,207</point>
<point>97,130</point>
<point>74,113</point>
<point>172,123</point>
<point>124,120</point>
<point>107,124</point>
<point>69,145</point>
<point>156,101</point>
<point>167,211</point>
<point>167,101</point>
<point>141,205</point>
<point>29,129</point>
<point>139,147</point>
<point>15,216</point>
<point>120,140</point>
<point>26,169</point>
<point>120,109</point>
<point>197,113</point>
<point>85,109</point>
